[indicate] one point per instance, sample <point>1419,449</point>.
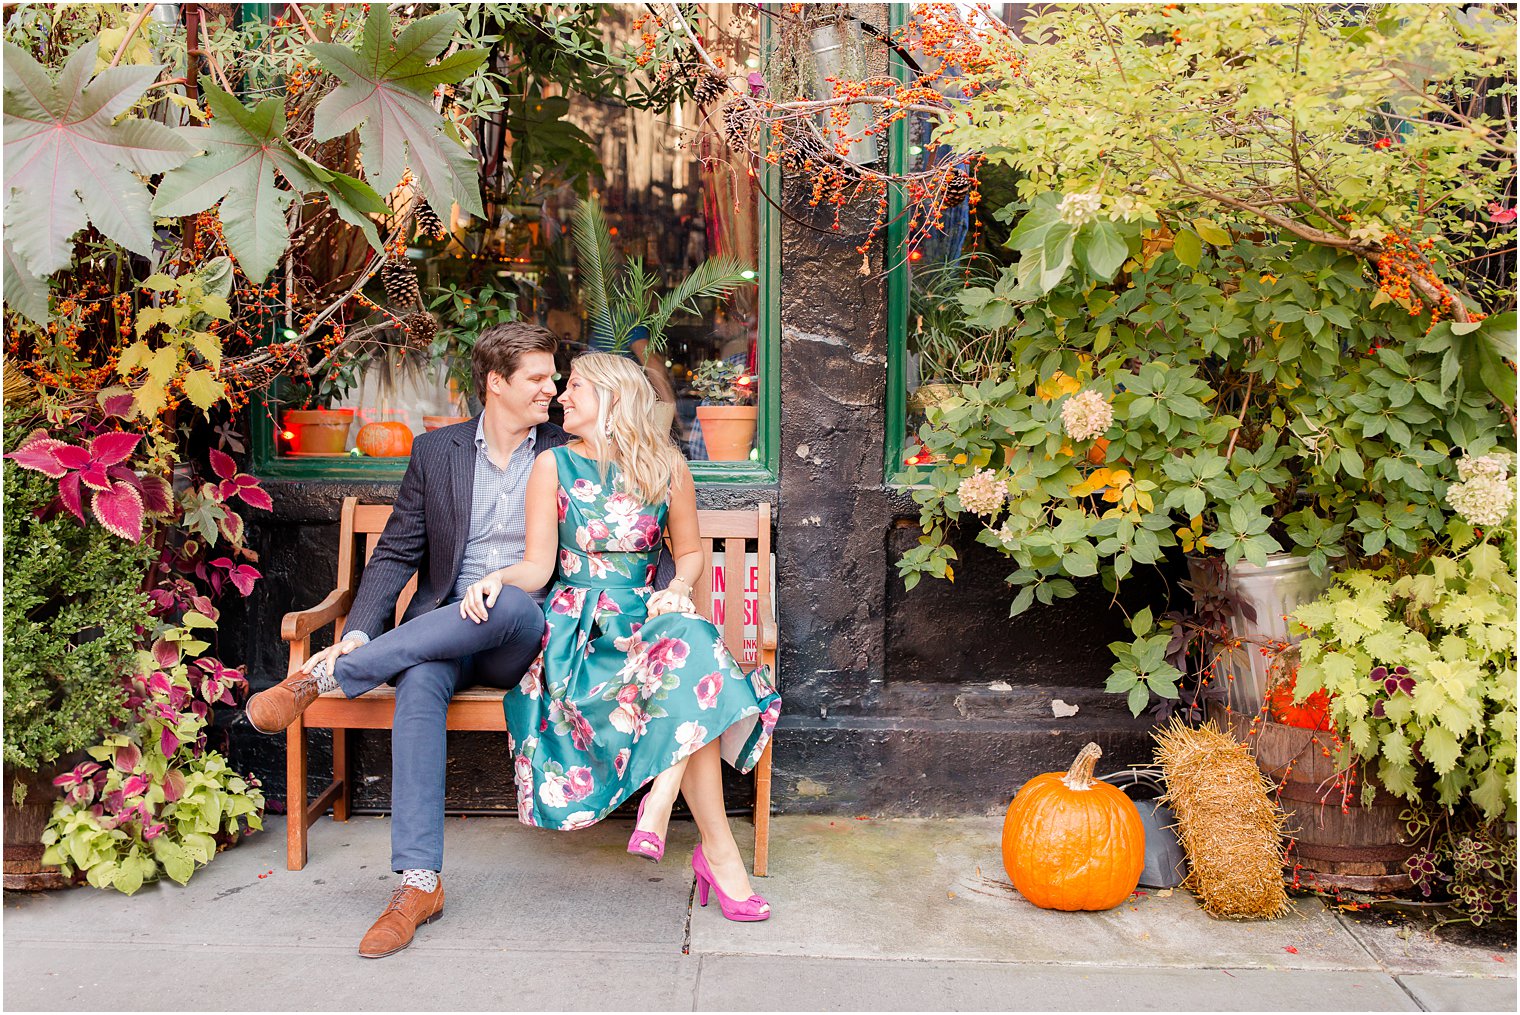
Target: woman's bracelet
<point>683,581</point>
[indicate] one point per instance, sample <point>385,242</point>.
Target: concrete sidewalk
<point>876,915</point>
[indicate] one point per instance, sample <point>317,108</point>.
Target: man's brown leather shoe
<point>408,909</point>
<point>272,710</point>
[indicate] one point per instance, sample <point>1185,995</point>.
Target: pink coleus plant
<point>118,495</point>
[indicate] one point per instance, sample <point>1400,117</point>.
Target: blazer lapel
<point>462,470</point>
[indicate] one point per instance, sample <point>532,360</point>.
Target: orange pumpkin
<point>1071,842</point>
<point>384,440</point>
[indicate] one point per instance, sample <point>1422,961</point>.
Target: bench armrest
<point>768,633</point>
<point>767,623</point>
<point>301,623</point>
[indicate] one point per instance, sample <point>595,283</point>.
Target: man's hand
<point>479,597</point>
<point>670,601</point>
<point>330,654</point>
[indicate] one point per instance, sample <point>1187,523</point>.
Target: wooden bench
<point>479,708</point>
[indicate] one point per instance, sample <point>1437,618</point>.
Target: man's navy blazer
<point>428,527</point>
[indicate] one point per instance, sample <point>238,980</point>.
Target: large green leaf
<point>244,149</point>
<point>68,165</point>
<point>24,291</point>
<point>387,92</point>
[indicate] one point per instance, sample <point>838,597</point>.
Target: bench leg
<point>295,796</point>
<point>340,774</point>
<point>763,812</point>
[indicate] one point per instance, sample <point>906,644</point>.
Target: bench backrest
<point>726,532</point>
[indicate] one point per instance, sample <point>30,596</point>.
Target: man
<point>458,514</point>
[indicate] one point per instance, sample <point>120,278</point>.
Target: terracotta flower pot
<point>728,431</point>
<point>318,431</point>
<point>431,423</point>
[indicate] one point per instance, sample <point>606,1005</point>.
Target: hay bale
<point>1229,826</point>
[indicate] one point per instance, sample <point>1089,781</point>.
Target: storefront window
<point>933,350</point>
<point>671,199</point>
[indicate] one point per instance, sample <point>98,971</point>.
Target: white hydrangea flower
<point>1125,208</point>
<point>981,493</point>
<point>1086,415</point>
<point>1483,500</point>
<point>1495,464</point>
<point>1079,209</point>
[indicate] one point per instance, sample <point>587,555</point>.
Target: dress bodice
<point>608,539</point>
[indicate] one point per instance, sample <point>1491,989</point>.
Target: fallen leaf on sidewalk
<point>1290,949</point>
<point>949,895</point>
<point>1165,893</point>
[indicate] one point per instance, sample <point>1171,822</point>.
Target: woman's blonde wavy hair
<point>628,431</point>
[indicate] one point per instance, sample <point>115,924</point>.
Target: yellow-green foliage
<point>1452,625</point>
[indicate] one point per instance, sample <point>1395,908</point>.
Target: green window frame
<point>894,472</point>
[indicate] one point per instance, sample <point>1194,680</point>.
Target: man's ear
<point>495,383</point>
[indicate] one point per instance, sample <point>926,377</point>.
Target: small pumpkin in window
<point>1072,842</point>
<point>384,440</point>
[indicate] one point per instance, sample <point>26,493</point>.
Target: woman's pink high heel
<point>751,910</point>
<point>638,840</point>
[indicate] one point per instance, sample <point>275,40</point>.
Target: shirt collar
<point>480,435</point>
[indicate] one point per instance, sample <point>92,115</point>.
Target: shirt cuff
<point>363,638</point>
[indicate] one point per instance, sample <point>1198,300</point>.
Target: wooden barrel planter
<point>24,825</point>
<point>1358,848</point>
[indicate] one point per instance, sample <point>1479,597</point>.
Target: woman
<point>633,686</point>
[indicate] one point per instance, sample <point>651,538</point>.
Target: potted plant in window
<point>625,312</point>
<point>728,421</point>
<point>321,430</point>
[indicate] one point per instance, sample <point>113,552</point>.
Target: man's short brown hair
<point>501,347</point>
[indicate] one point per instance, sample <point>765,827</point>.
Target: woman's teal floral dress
<point>617,697</point>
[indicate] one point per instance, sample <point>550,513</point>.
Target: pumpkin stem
<point>1080,774</point>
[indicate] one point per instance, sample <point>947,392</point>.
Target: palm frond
<point>633,302</point>
<point>594,257</point>
<point>715,277</point>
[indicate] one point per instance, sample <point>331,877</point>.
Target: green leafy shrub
<point>74,614</point>
<point>1259,397</point>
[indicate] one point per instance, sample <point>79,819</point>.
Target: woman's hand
<point>670,601</point>
<point>479,597</point>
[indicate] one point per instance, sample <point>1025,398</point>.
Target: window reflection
<point>672,198</point>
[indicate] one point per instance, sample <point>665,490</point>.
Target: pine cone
<point>957,189</point>
<point>710,87</point>
<point>420,329</point>
<point>738,126</point>
<point>428,222</point>
<point>400,279</point>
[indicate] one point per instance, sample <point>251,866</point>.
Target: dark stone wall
<point>924,702</point>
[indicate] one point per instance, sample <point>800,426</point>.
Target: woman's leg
<point>703,788</point>
<point>661,798</point>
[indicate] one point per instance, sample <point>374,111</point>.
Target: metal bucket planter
<point>1263,597</point>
